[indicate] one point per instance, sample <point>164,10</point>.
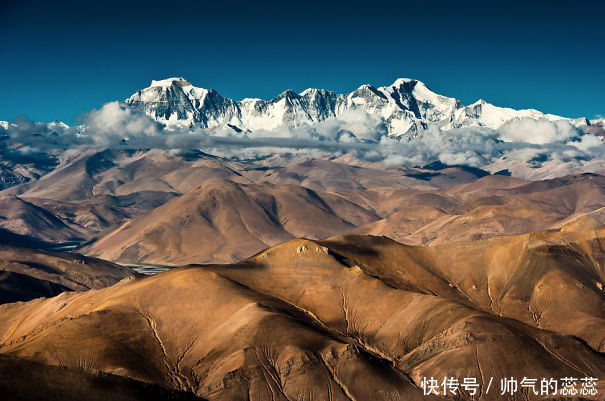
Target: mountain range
<point>137,267</point>
<point>407,106</point>
<point>152,206</point>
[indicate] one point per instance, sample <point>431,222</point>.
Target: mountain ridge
<point>407,106</point>
<point>342,319</point>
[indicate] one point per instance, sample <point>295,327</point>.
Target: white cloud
<point>364,135</point>
<point>538,132</point>
<point>589,142</point>
<point>114,122</point>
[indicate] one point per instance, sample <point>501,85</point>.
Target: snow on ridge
<point>407,107</point>
<point>57,124</point>
<point>180,81</point>
<point>401,81</point>
<point>53,125</point>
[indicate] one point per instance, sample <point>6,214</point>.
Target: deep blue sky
<point>61,59</point>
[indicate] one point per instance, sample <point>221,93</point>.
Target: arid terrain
<point>302,201</point>
<point>171,208</point>
<point>300,279</point>
<point>350,318</point>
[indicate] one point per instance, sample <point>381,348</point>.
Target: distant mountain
<point>95,190</point>
<point>56,125</point>
<point>407,106</point>
<point>235,221</point>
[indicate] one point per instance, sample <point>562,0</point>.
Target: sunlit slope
<point>354,317</point>
<point>222,221</point>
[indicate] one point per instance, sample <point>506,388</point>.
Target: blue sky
<point>62,59</point>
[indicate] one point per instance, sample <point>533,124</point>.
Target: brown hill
<point>326,175</point>
<point>160,170</point>
<point>72,179</point>
<point>98,189</point>
<point>100,194</point>
<point>28,273</point>
<point>25,218</point>
<point>553,281</point>
<point>348,174</point>
<point>16,287</point>
<point>222,221</point>
<point>95,190</point>
<point>351,318</point>
<point>490,206</point>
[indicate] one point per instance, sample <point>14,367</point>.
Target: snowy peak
<point>407,106</point>
<point>415,96</point>
<point>53,126</point>
<point>57,125</point>
<point>287,94</point>
<point>404,81</point>
<point>169,82</point>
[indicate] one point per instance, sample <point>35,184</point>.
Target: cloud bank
<point>114,125</point>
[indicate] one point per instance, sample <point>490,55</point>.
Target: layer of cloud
<point>114,125</point>
<point>539,132</point>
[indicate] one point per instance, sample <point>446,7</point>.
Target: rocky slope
<point>28,272</point>
<point>351,318</point>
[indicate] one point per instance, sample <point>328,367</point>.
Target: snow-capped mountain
<point>53,126</point>
<point>407,106</point>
